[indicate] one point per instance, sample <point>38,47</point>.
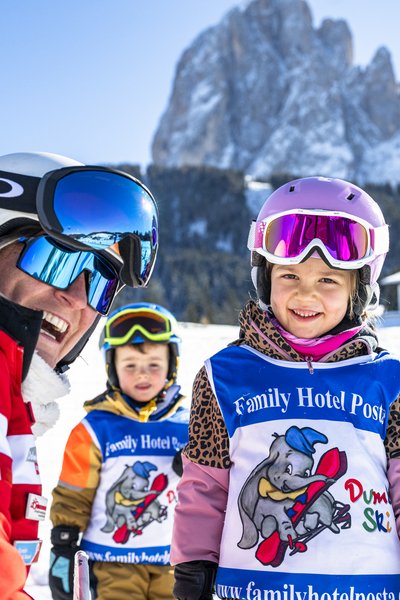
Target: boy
<point>122,464</point>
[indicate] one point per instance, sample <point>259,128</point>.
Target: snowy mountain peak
<point>265,91</point>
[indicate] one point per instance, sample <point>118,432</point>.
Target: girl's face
<point>309,299</point>
<point>142,374</point>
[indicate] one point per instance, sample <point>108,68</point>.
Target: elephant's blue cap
<point>142,469</point>
<point>303,440</point>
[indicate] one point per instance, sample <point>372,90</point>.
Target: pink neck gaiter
<point>316,348</point>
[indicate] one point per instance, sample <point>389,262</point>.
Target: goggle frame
<point>137,327</point>
<point>378,240</point>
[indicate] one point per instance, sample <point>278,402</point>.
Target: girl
<point>293,433</point>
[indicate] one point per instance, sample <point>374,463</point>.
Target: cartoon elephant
<point>128,492</point>
<point>271,490</point>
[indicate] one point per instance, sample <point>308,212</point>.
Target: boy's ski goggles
<point>88,208</point>
<point>347,242</point>
<point>152,325</point>
<point>45,261</point>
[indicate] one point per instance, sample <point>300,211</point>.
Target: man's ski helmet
<point>13,215</point>
<point>88,208</point>
<point>21,175</point>
<point>135,324</point>
<point>332,217</point>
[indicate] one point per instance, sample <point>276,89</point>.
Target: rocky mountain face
<point>266,92</point>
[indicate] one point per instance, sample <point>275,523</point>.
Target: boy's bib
<point>132,513</point>
<point>308,515</point>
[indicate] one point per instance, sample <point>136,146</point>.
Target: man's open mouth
<point>54,326</point>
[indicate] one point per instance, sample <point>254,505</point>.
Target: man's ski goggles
<point>345,242</point>
<point>152,325</point>
<point>45,261</point>
<point>95,208</point>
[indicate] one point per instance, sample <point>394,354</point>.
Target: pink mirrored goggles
<point>347,242</point>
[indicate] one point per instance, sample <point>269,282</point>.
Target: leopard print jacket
<point>208,438</point>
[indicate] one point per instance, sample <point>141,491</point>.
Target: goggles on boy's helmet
<point>138,323</point>
<point>345,241</point>
<point>88,208</point>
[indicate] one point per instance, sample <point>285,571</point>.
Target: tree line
<point>202,272</point>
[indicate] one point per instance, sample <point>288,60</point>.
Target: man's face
<point>67,315</point>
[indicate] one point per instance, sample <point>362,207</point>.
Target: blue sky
<point>90,78</point>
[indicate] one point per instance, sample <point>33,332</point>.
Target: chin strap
<point>374,297</point>
<point>64,363</point>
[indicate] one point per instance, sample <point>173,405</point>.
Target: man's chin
<point>48,350</point>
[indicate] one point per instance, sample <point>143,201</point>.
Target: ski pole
<point>81,576</point>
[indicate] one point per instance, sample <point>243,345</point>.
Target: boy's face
<point>142,373</point>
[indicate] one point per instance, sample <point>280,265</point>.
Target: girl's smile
<point>310,299</point>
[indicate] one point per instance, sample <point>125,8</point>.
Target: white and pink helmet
<point>333,218</point>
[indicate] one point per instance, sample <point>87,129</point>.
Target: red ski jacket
<point>19,472</point>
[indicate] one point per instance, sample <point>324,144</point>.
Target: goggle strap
<point>251,237</point>
<point>21,196</point>
<point>380,239</point>
<point>130,249</point>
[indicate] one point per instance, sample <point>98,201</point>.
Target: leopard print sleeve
<point>392,441</point>
<point>208,438</point>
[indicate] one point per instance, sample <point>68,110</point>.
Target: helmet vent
<point>350,196</point>
<point>291,189</point>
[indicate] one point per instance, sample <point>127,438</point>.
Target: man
<point>71,237</point>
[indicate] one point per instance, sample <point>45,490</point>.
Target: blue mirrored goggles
<point>46,261</point>
<point>98,208</point>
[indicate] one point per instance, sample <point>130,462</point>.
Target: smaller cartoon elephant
<point>126,495</point>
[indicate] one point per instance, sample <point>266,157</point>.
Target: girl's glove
<point>195,580</point>
<point>61,576</point>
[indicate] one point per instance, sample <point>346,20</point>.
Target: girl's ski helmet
<point>135,324</point>
<point>323,197</point>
